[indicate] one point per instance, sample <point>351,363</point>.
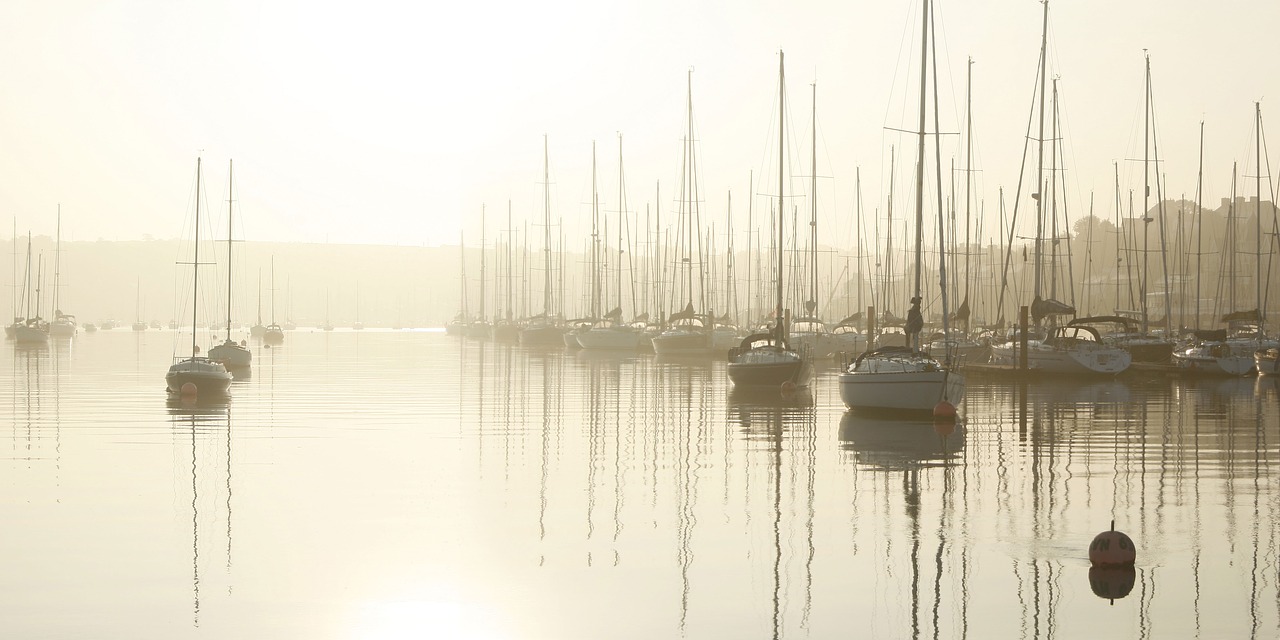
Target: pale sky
<point>393,122</point>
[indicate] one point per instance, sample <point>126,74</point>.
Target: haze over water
<point>383,484</point>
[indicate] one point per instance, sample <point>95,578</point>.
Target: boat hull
<point>28,334</point>
<point>770,374</point>
<point>1267,361</point>
<point>231,355</point>
<point>610,339</point>
<point>209,378</point>
<point>1205,363</point>
<point>680,342</point>
<point>542,336</point>
<point>905,391</point>
<point>1088,359</point>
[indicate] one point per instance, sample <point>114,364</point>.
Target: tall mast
<point>942,245</point>
<point>968,169</point>
<point>230,175</point>
<point>1257,217</point>
<point>481,262</point>
<point>595,239</point>
<point>546,224</point>
<point>779,322</point>
<point>1199,220</point>
<point>510,259</point>
<point>1146,190</point>
<point>924,88</point>
<point>1039,195</point>
<point>57,266</point>
<point>811,306</point>
<point>195,265</point>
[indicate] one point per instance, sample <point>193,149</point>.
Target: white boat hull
<point>916,391</point>
<point>681,342</point>
<point>610,339</point>
<point>1082,359</point>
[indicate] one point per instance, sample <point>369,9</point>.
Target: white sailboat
<point>543,330</point>
<point>231,354</point>
<point>274,333</point>
<point>906,379</point>
<point>197,375</point>
<point>63,325</point>
<point>1070,350</point>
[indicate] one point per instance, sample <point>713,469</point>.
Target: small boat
<point>767,359</point>
<point>904,379</point>
<point>1267,361</point>
<point>197,375</point>
<point>232,355</point>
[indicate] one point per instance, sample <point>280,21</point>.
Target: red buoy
<point>788,388</point>
<point>188,389</point>
<point>944,410</point>
<point>1112,549</point>
<point>945,426</point>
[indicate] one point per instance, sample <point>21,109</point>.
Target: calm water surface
<point>413,485</point>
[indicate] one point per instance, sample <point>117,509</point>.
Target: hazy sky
<point>392,122</point>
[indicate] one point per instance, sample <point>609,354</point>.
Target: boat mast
<point>968,174</point>
<point>942,245</point>
<point>482,262</point>
<point>1039,195</point>
<point>1199,220</point>
<point>920,140</point>
<point>57,267</point>
<point>230,176</point>
<point>1146,191</point>
<point>779,325</point>
<point>1257,218</point>
<point>195,266</point>
<point>811,306</point>
<point>546,224</point>
<point>595,239</point>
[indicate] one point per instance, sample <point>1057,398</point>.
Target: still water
<point>415,485</point>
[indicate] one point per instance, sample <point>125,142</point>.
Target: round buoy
<point>944,411</point>
<point>1112,549</point>
<point>188,389</point>
<point>788,388</point>
<point>1111,583</point>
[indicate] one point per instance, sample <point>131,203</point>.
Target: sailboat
<point>809,332</point>
<point>63,324</point>
<point>231,354</point>
<point>611,332</point>
<point>327,326</point>
<point>688,331</point>
<point>258,329</point>
<point>274,333</point>
<point>543,330</point>
<point>1068,349</point>
<point>138,324</point>
<point>31,329</point>
<point>904,378</point>
<point>767,359</point>
<point>197,375</point>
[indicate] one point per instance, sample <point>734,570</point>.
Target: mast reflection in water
<point>416,483</point>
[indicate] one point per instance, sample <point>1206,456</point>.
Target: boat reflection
<point>894,443</point>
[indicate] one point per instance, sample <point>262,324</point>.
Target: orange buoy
<point>188,389</point>
<point>1111,583</point>
<point>788,388</point>
<point>1112,549</point>
<point>944,411</point>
